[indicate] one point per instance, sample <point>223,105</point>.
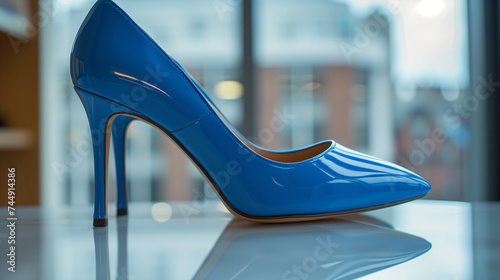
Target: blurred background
<point>414,82</point>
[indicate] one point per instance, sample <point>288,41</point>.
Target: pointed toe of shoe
<point>364,181</point>
<point>404,187</point>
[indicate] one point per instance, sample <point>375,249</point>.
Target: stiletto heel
<point>117,69</point>
<point>120,125</point>
<point>101,114</point>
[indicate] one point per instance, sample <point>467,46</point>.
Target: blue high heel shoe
<point>121,74</point>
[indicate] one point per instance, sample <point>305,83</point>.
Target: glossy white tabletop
<point>417,240</point>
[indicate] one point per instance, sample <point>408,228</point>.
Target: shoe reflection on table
<point>102,251</point>
<point>342,248</point>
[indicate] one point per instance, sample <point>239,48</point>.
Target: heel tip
<point>122,212</point>
<point>100,222</point>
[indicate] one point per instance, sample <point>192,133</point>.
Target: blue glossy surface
<point>119,131</point>
<point>339,179</point>
<point>113,58</point>
<point>112,62</point>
